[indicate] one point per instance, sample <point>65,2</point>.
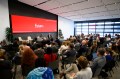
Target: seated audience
<point>83,49</point>
<point>5,66</point>
<point>63,47</point>
<point>28,60</point>
<point>71,52</point>
<point>98,62</point>
<point>41,71</point>
<point>84,73</point>
<point>107,55</point>
<point>49,55</point>
<point>39,51</point>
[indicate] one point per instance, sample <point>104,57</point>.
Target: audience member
<point>98,62</point>
<point>49,56</point>
<point>84,73</point>
<point>28,60</point>
<point>41,71</point>
<point>5,66</point>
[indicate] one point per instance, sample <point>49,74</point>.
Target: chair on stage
<point>29,39</point>
<point>20,39</point>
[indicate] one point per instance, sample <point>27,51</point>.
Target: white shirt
<point>84,74</point>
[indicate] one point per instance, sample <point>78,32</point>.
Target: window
<point>98,27</point>
<point>100,23</point>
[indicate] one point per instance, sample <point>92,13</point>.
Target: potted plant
<point>9,35</point>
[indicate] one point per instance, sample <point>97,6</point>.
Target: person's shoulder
<point>89,69</point>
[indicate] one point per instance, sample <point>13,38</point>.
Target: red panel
<point>23,24</point>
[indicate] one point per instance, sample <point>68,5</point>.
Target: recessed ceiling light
<point>115,3</point>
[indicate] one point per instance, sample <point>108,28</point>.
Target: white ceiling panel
<point>60,10</point>
<point>114,12</point>
<point>49,5</point>
<point>87,4</point>
<point>110,1</point>
<point>32,2</point>
<point>112,7</point>
<point>78,10</point>
<point>92,10</point>
<point>66,2</point>
<point>69,14</point>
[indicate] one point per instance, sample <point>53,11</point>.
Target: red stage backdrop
<point>24,24</point>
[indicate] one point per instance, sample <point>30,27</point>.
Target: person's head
<point>71,46</point>
<point>2,53</point>
<point>100,52</point>
<point>107,50</point>
<point>40,62</point>
<point>24,42</point>
<point>83,62</point>
<point>84,42</point>
<point>64,43</point>
<point>49,50</point>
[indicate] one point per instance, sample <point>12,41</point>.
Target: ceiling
<point>79,10</point>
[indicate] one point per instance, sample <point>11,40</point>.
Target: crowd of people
<point>86,55</point>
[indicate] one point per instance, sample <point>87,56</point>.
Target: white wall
<point>4,18</point>
<point>67,27</point>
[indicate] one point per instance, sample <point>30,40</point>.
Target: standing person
<point>98,63</point>
<point>5,66</point>
<point>28,61</point>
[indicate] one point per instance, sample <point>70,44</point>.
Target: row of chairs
<point>29,39</point>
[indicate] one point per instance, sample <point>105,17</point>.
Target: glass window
<point>78,30</point>
<point>91,24</point>
<point>117,30</point>
<point>84,27</point>
<point>109,22</point>
<point>108,26</point>
<point>99,30</point>
<point>117,22</point>
<point>78,33</point>
<point>78,27</point>
<point>117,27</point>
<point>91,27</point>
<point>84,24</point>
<point>100,23</point>
<point>91,30</point>
<point>99,26</point>
<point>78,24</point>
<point>108,30</point>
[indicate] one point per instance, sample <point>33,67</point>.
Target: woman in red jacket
<point>50,56</point>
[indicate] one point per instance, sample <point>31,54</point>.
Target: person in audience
<point>39,51</point>
<point>24,43</point>
<point>84,73</point>
<point>54,47</point>
<point>28,61</point>
<point>71,52</point>
<point>49,56</point>
<point>41,71</point>
<point>98,63</point>
<point>107,55</point>
<point>77,45</point>
<point>5,66</point>
<point>83,49</point>
<point>63,47</point>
